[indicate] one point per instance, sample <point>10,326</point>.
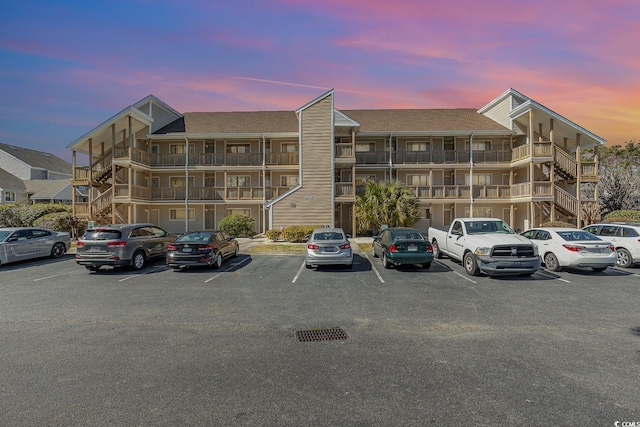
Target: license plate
<point>186,249</point>
<point>95,249</point>
<point>413,248</point>
<point>329,250</point>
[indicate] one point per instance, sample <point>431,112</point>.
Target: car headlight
<point>482,251</point>
<point>535,249</point>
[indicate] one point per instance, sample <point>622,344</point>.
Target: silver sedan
<point>23,243</point>
<point>329,246</point>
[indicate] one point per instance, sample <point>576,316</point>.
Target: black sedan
<point>201,248</point>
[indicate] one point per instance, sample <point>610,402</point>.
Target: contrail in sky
<point>370,94</point>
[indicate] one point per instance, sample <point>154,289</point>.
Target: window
<point>478,212</point>
<point>180,181</point>
<point>478,179</point>
<point>238,181</point>
<point>289,147</point>
<point>479,145</point>
<point>417,146</point>
<point>422,180</point>
<point>9,196</point>
<point>40,233</point>
<point>629,232</point>
<point>239,148</point>
<point>365,146</point>
<point>179,214</point>
<point>289,180</point>
<point>179,148</point>
<point>237,211</point>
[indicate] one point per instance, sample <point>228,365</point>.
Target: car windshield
<point>101,234</point>
<point>408,234</point>
<point>198,236</point>
<point>480,227</point>
<point>572,236</point>
<point>328,235</point>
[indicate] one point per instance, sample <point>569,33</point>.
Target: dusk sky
<point>67,66</point>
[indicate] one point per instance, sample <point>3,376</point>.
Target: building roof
<point>38,159</point>
<point>391,120</point>
<point>10,182</point>
<point>46,189</point>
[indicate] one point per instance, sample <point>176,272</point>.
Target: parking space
<point>216,346</point>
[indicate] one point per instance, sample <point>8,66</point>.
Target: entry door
<point>154,216</point>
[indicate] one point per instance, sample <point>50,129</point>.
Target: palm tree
<point>389,203</point>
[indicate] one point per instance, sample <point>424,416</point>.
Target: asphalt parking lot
<point>219,347</point>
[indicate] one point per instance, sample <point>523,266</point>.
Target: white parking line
<point>235,264</point>
<point>465,277</point>
<point>299,272</point>
<point>375,270</point>
<point>55,275</point>
<point>127,278</point>
<point>551,276</point>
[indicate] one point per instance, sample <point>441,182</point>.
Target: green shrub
<point>298,233</point>
<point>62,221</point>
<point>274,235</point>
<point>238,225</point>
<point>24,214</point>
<point>622,216</point>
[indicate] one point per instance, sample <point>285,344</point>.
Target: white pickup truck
<point>485,245</point>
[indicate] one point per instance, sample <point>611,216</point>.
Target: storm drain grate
<point>325,334</point>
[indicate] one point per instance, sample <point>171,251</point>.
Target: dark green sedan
<point>402,246</point>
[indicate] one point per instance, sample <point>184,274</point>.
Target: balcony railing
<point>344,189</point>
<point>344,150</point>
<point>197,193</point>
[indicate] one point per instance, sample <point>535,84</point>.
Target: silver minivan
<point>130,245</point>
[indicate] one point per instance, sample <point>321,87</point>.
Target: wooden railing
<point>520,152</point>
<point>102,202</point>
<point>565,162</point>
<point>344,150</point>
<point>566,200</point>
<point>344,189</point>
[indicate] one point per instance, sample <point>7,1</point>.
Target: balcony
<point>542,190</point>
<point>124,192</point>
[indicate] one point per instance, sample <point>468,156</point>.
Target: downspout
<point>390,158</point>
<point>186,185</point>
<point>471,176</point>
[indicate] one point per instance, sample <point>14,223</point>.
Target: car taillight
<point>117,244</point>
<point>172,248</point>
<point>312,246</point>
<point>345,246</point>
<point>613,248</point>
<point>430,248</point>
<point>393,248</point>
<point>80,245</point>
<point>574,248</point>
<point>204,247</point>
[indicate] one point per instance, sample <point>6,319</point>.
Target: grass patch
<point>280,248</point>
<point>365,247</point>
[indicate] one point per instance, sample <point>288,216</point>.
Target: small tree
<point>391,203</point>
<point>238,225</point>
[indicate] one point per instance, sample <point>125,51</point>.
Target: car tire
<point>138,261</point>
<point>307,265</point>
<point>373,252</point>
<point>218,262</point>
<point>58,250</point>
<point>598,269</point>
<point>436,249</point>
<point>470,264</point>
<point>236,251</point>
<point>551,262</point>
<point>426,265</point>
<point>92,267</point>
<point>176,268</point>
<point>624,258</point>
<point>385,261</point>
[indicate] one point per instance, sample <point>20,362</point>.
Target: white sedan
<point>570,247</point>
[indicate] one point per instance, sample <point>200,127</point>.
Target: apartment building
<point>513,159</point>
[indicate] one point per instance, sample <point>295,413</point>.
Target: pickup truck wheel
<point>436,249</point>
<point>470,264</point>
<point>551,262</point>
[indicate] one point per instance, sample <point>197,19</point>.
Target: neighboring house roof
<point>38,159</point>
<point>46,189</point>
<point>408,120</point>
<point>10,182</point>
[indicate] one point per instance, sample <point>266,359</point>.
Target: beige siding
<point>500,112</point>
<point>312,204</point>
